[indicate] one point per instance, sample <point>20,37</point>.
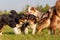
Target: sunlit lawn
<point>9,35</point>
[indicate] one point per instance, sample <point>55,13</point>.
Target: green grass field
<point>9,35</point>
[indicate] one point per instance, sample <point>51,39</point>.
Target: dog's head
<point>32,19</point>
<point>22,18</point>
<point>13,12</point>
<point>31,10</point>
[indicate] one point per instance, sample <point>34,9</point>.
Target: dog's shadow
<point>9,33</point>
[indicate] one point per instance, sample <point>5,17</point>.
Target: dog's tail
<point>48,14</point>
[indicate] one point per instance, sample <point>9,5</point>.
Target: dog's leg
<point>18,27</point>
<point>39,29</point>
<point>33,28</point>
<point>58,27</point>
<point>53,27</point>
<point>59,30</point>
<point>50,31</point>
<point>54,30</point>
<point>19,30</point>
<point>1,26</point>
<point>0,32</point>
<point>26,31</point>
<point>15,30</point>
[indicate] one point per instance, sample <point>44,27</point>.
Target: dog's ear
<point>13,12</point>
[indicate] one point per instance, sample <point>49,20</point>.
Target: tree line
<point>38,7</point>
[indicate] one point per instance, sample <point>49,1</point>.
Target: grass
<point>9,35</point>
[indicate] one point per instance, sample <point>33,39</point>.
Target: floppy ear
<point>13,12</point>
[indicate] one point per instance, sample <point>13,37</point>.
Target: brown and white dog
<point>44,22</point>
<point>32,17</point>
<point>55,20</point>
<point>34,11</point>
<point>31,23</point>
<point>43,19</point>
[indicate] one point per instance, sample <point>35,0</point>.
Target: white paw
<point>0,33</point>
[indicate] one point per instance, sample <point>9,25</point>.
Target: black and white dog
<point>14,20</point>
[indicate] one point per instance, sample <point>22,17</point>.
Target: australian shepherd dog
<point>14,20</point>
<point>52,21</point>
<point>34,11</point>
<point>42,18</point>
<point>44,22</point>
<point>31,23</point>
<point>55,20</point>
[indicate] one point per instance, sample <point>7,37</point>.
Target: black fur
<point>24,25</point>
<point>32,17</point>
<point>10,19</point>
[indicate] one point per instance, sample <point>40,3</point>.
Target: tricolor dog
<point>31,23</point>
<point>13,20</point>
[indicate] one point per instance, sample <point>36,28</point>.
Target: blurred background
<point>22,5</point>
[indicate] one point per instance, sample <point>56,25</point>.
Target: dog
<point>44,22</point>
<point>34,11</point>
<point>13,20</point>
<point>55,20</point>
<point>31,23</point>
